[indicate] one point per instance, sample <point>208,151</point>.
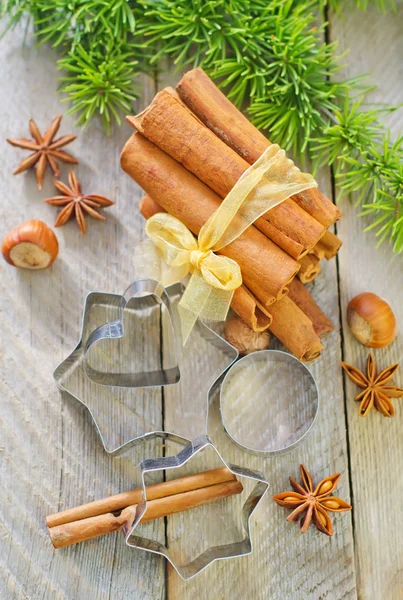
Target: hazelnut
<point>371,320</point>
<point>32,245</point>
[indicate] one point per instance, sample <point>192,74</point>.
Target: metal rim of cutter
<point>224,551</point>
<point>152,294</point>
<point>253,357</point>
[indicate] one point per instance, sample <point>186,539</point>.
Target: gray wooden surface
<point>50,455</point>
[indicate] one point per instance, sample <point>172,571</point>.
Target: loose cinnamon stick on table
<point>169,124</point>
<point>292,327</point>
<point>310,268</point>
<point>158,490</point>
<point>85,529</point>
<point>266,269</point>
<point>218,113</point>
<point>243,301</point>
<point>302,298</point>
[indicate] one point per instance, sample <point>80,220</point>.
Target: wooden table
<point>50,455</point>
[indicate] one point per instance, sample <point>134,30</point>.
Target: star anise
<point>45,150</point>
<point>375,391</point>
<point>312,504</point>
<point>76,203</point>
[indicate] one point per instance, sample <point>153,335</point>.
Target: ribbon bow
<point>213,278</point>
<point>269,181</point>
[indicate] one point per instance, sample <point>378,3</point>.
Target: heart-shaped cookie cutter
<point>141,294</point>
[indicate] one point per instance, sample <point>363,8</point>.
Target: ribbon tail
<point>201,300</point>
<point>192,303</point>
<point>217,306</point>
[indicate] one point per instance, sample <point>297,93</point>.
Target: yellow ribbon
<point>269,181</point>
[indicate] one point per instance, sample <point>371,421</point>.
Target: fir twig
<point>270,55</point>
<point>99,81</point>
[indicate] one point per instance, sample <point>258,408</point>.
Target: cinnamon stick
<point>218,113</point>
<point>149,207</point>
<point>310,268</point>
<point>158,490</point>
<point>328,246</point>
<point>169,124</point>
<point>250,310</point>
<point>295,330</point>
<point>318,251</point>
<point>303,299</point>
<point>85,529</point>
<point>243,301</point>
<point>266,269</point>
<point>92,527</point>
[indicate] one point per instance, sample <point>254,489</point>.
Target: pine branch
<point>368,164</point>
<point>268,54</point>
<point>99,81</point>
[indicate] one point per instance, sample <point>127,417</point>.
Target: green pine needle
<point>99,81</point>
<point>269,57</point>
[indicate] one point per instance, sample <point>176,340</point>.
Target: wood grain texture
<point>284,564</point>
<point>50,455</point>
<point>376,443</point>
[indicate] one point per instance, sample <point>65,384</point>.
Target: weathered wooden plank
<point>376,443</point>
<point>50,455</point>
<point>284,564</point>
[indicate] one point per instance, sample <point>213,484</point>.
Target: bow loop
<point>220,272</point>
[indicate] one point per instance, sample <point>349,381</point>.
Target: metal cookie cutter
<point>269,402</point>
<point>241,546</point>
<point>131,298</point>
<point>124,414</point>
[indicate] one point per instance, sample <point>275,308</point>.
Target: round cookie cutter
<point>269,401</point>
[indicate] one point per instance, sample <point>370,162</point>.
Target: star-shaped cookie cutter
<point>77,380</point>
<point>204,559</point>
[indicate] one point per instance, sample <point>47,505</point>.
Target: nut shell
<point>32,245</point>
<point>371,320</point>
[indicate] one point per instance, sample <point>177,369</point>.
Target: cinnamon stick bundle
<point>290,316</point>
<point>243,301</point>
<point>99,518</point>
<point>169,124</point>
<point>266,269</point>
<point>303,299</point>
<point>218,113</point>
